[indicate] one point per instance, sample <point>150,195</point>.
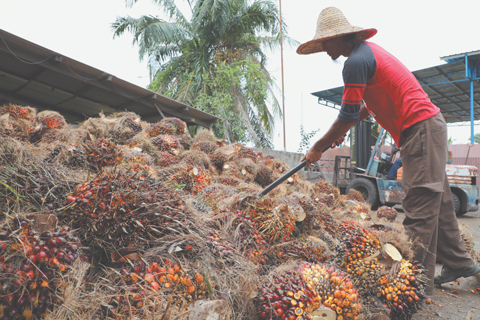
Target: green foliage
<point>451,140</point>
<point>476,138</point>
<point>305,142</point>
<point>215,61</point>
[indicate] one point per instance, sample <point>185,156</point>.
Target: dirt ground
<point>460,300</point>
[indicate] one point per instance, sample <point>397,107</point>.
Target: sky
<point>417,32</point>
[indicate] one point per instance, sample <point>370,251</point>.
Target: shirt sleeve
<point>358,68</point>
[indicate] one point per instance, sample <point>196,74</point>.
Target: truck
<point>365,170</point>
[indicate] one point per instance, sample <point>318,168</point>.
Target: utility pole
<point>283,94</point>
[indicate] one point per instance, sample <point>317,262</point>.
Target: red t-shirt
<point>391,92</point>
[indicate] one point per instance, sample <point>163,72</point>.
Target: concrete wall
<point>290,158</point>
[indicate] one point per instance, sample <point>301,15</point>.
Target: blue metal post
<point>370,162</point>
<point>469,73</point>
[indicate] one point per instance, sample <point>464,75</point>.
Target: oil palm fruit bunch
<point>17,121</point>
<point>469,245</point>
<point>403,292</point>
<point>247,168</point>
<point>102,153</point>
<point>326,188</point>
<point>355,195</point>
<point>219,158</point>
<point>30,265</point>
<point>195,158</point>
<point>208,147</point>
<point>215,193</point>
<point>278,167</point>
<point>34,185</point>
<point>185,140</point>
<point>47,122</point>
<point>352,208</point>
<point>165,159</point>
<point>319,216</point>
<point>247,237</point>
<point>219,246</point>
<point>191,179</point>
<point>356,244</point>
<point>287,296</point>
<point>126,129</point>
<point>146,283</point>
<point>332,289</point>
<point>274,222</point>
<point>229,180</point>
<point>117,209</point>
<point>180,126</point>
<point>168,143</point>
<point>388,213</point>
<point>134,156</point>
<point>264,175</point>
<point>158,128</point>
<point>306,249</point>
<point>244,152</point>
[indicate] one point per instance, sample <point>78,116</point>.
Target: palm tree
<point>223,39</point>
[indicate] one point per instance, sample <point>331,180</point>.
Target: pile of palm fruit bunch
<point>33,257</point>
<point>154,223</point>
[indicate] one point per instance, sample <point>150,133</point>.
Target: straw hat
<point>332,23</point>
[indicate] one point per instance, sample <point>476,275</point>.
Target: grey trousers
<point>428,204</point>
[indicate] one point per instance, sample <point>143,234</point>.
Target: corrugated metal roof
<point>47,80</point>
<point>447,86</point>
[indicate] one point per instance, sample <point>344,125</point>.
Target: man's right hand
<point>313,155</point>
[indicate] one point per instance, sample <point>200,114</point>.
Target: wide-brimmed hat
<point>332,23</point>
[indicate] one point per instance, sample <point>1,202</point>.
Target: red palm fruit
<point>41,257</point>
<point>60,256</point>
<point>60,241</point>
<point>198,278</point>
<point>32,285</point>
<point>9,268</point>
<point>191,289</point>
<point>53,252</point>
<point>134,276</point>
<point>155,285</point>
<point>162,271</point>
<point>149,278</point>
<point>154,266</point>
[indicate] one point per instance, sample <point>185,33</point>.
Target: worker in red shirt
<point>377,83</point>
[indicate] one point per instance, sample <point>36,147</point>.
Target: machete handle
<point>287,175</point>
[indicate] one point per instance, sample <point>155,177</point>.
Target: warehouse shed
<point>35,76</point>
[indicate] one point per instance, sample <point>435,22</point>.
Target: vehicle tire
<point>457,205</point>
<point>367,189</point>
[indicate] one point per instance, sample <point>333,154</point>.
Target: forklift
<point>365,170</point>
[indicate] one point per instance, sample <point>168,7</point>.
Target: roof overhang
<point>44,79</point>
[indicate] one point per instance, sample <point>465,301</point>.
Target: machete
<point>287,175</point>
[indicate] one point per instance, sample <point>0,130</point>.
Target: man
<point>376,83</point>
<point>392,173</point>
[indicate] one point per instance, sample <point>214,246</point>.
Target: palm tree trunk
<point>239,102</point>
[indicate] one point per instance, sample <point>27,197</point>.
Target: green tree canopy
<point>215,60</point>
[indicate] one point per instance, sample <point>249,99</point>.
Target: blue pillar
<point>469,73</point>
